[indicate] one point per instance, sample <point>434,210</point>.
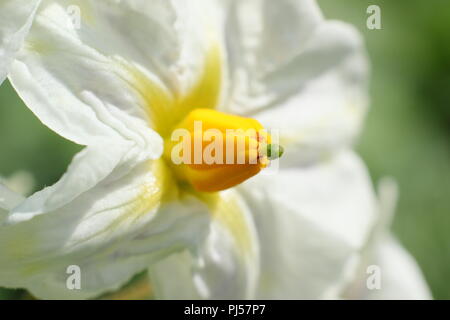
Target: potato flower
<point>119,77</point>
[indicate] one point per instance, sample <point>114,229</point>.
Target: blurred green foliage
<point>407,134</point>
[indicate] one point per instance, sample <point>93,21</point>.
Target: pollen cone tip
<point>274,151</point>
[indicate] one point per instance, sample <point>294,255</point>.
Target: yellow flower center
<point>213,151</point>
<point>198,146</point>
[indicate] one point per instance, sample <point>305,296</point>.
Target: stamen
<point>214,151</point>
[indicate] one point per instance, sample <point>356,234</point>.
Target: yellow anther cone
<point>214,151</point>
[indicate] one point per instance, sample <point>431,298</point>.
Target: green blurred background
<point>407,134</point>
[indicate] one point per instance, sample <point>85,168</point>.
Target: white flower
<point>119,84</point>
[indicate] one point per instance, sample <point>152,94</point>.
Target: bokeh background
<point>407,133</point>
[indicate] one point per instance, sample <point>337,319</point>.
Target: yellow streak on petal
<point>164,108</point>
<point>150,197</point>
<point>26,245</point>
<point>39,47</point>
<point>227,210</point>
<point>206,92</point>
<point>156,99</point>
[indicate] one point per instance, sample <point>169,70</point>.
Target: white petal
<point>110,232</point>
<point>16,17</point>
<point>327,112</point>
<point>311,224</point>
<point>297,73</point>
<point>8,200</point>
<point>113,136</point>
<point>173,278</point>
<point>74,91</point>
<point>263,36</point>
<point>224,265</point>
<point>401,277</point>
<point>21,181</point>
<point>387,270</point>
